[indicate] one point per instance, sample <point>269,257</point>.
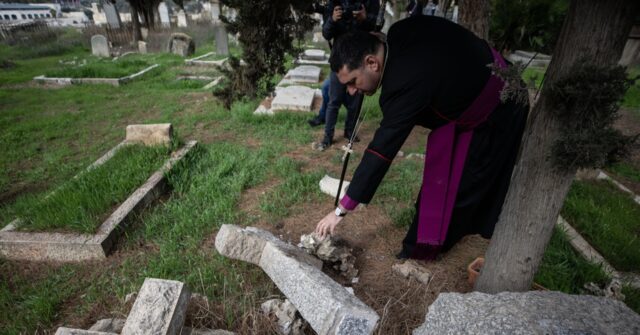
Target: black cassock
<point>435,69</point>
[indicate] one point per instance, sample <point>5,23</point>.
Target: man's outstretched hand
<point>327,225</point>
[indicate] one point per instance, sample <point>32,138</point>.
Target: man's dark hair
<point>351,48</point>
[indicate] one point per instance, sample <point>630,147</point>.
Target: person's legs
<point>337,92</point>
<point>320,118</point>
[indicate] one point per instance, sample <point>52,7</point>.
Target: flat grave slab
<point>79,81</point>
<point>71,247</point>
<point>205,60</point>
<point>304,74</point>
<point>294,98</point>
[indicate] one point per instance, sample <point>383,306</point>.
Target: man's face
<point>364,79</point>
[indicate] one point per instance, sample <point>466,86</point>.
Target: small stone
<point>130,297</point>
<point>410,269</point>
<point>333,251</point>
<point>287,316</point>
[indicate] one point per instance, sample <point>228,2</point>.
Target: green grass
<point>632,298</point>
<point>632,97</point>
<point>99,68</point>
<point>608,219</point>
<point>563,269</point>
<point>627,170</point>
<point>81,204</point>
<point>532,74</point>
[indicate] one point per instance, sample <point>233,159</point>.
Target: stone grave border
<point>587,251</point>
<point>79,81</point>
<point>197,61</point>
<point>72,247</point>
<point>211,81</point>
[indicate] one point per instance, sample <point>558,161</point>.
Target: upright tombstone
<point>182,19</point>
<point>181,44</point>
<point>100,46</point>
<point>215,11</point>
<point>111,13</point>
<point>222,40</point>
<point>142,47</point>
<point>163,11</point>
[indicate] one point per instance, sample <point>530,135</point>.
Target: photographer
<point>346,15</point>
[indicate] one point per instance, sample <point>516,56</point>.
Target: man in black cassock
<point>436,74</point>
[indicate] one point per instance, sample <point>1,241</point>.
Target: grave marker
<point>163,11</point>
<point>222,40</point>
<point>100,46</point>
<point>182,19</point>
<point>181,44</point>
<point>111,13</point>
<point>294,98</point>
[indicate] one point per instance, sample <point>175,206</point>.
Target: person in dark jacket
<point>445,85</point>
<point>346,15</point>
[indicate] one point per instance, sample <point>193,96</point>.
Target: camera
<point>348,7</point>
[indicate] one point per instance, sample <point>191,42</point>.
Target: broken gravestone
<point>160,308</point>
<point>534,312</point>
<point>333,251</point>
<point>327,306</point>
<point>329,185</point>
<point>100,46</point>
<point>289,320</point>
<point>181,44</point>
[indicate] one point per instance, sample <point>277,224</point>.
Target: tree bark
<point>137,33</point>
<point>596,31</point>
<point>474,15</point>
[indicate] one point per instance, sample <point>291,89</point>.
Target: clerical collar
<point>384,66</point>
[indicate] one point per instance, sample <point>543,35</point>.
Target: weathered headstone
<point>142,47</point>
<point>160,308</point>
<point>534,312</point>
<point>325,304</point>
<point>182,19</point>
<point>304,74</point>
<point>329,185</point>
<point>182,45</point>
<point>294,98</point>
<point>215,11</point>
<point>100,46</point>
<point>163,11</point>
<point>111,13</point>
<point>222,40</point>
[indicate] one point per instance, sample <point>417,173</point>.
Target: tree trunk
<point>137,33</point>
<point>594,30</point>
<point>474,15</point>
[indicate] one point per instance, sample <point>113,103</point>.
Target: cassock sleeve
<point>401,112</point>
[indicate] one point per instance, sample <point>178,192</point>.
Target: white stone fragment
<point>411,269</point>
<point>329,185</point>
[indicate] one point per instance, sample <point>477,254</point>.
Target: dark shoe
<point>323,145</point>
<point>403,254</point>
<point>348,137</point>
<point>315,122</point>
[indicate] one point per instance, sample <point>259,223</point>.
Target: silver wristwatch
<point>340,213</point>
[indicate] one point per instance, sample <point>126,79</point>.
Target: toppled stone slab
<point>333,251</point>
<point>304,74</point>
<point>329,185</point>
<point>190,331</point>
<point>150,134</point>
<point>322,302</point>
<point>286,314</point>
<point>160,308</point>
<point>70,331</point>
<point>294,98</point>
<point>109,325</point>
<point>534,312</point>
<point>411,269</point>
<point>247,244</point>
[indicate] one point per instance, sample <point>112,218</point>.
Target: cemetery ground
<point>249,170</point>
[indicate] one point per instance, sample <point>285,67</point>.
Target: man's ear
<point>371,62</point>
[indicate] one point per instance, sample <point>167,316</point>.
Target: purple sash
<point>447,150</point>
